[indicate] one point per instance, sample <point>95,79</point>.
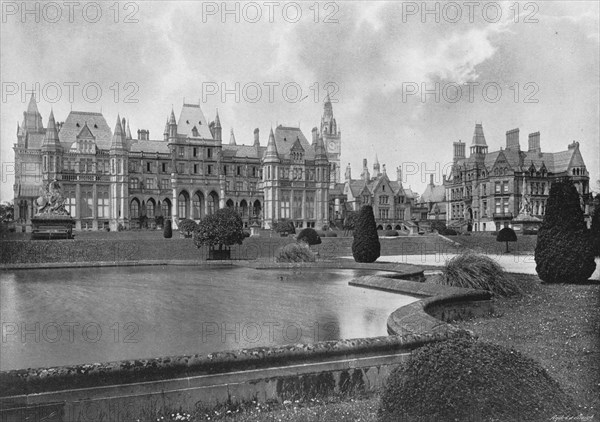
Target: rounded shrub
<point>463,379</point>
<point>295,252</point>
<point>563,252</point>
<point>167,230</point>
<point>449,232</point>
<point>309,236</point>
<point>187,227</point>
<point>476,271</point>
<point>366,246</point>
<point>506,235</point>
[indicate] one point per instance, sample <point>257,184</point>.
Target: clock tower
<point>332,138</point>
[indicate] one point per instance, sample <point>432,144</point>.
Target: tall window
<point>210,200</point>
<point>165,207</point>
<point>498,187</point>
<point>285,204</point>
<point>297,205</point>
<point>239,186</point>
<point>182,206</point>
<point>102,206</point>
<point>165,183</point>
<point>150,209</point>
<point>181,151</point>
<point>196,212</point>
<point>134,183</point>
<point>504,187</point>
<point>498,204</point>
<point>365,199</point>
<point>134,209</point>
<point>87,202</point>
<point>383,213</point>
<point>383,199</point>
<point>505,205</point>
<point>310,205</point>
<point>70,202</point>
<point>151,183</point>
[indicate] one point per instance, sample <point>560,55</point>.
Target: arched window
<point>198,205</point>
<point>183,205</point>
<point>165,207</point>
<point>150,208</point>
<point>212,201</point>
<point>134,209</point>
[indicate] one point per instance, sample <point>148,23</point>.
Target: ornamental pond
<point>73,316</point>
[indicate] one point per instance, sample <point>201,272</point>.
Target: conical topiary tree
<point>563,253</point>
<point>366,247</point>
<point>595,229</point>
<point>167,230</point>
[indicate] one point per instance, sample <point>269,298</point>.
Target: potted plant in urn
<point>219,231</point>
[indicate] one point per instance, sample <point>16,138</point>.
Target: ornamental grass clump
<point>295,252</point>
<point>463,379</point>
<point>476,271</point>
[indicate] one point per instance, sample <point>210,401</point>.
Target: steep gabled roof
<point>285,138</point>
<point>192,115</point>
<point>96,124</point>
<point>433,194</point>
<point>150,146</point>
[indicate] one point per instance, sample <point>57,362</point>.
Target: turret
<point>118,139</point>
<point>166,131</point>
<point>376,167</point>
<point>315,136</point>
<point>172,125</point>
<point>478,146</point>
<point>271,154</point>
<point>32,119</point>
<point>217,128</point>
<point>51,141</point>
<point>320,151</point>
<point>128,132</point>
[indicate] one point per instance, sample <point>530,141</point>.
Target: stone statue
<point>51,200</point>
<point>525,201</point>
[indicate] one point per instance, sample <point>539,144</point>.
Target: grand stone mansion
<point>486,190</point>
<point>112,180</point>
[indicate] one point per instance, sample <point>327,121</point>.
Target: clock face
<point>331,146</point>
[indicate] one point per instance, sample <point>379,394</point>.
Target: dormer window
<point>78,125</point>
<point>95,126</point>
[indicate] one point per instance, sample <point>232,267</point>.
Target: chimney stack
<point>315,135</point>
<point>512,139</point>
<point>256,137</point>
<point>431,179</point>
<point>459,150</point>
<point>143,134</point>
<point>399,174</point>
<point>534,142</point>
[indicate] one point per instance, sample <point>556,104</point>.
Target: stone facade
<point>112,180</point>
<point>484,192</point>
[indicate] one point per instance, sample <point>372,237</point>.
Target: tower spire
<point>232,138</point>
<point>118,139</point>
<point>51,140</point>
<point>271,154</point>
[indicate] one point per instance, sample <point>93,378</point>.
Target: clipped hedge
<point>468,380</point>
<point>295,252</point>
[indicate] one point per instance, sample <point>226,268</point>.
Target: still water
<point>72,316</point>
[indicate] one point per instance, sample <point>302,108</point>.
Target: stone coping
<point>417,317</point>
<point>138,263</point>
<point>410,327</point>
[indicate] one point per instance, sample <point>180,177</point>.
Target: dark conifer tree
<point>366,247</point>
<point>563,253</point>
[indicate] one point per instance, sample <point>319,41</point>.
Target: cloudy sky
<point>531,65</point>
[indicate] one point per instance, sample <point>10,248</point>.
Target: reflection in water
<point>70,316</point>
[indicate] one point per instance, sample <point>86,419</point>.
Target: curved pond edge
<point>125,389</point>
